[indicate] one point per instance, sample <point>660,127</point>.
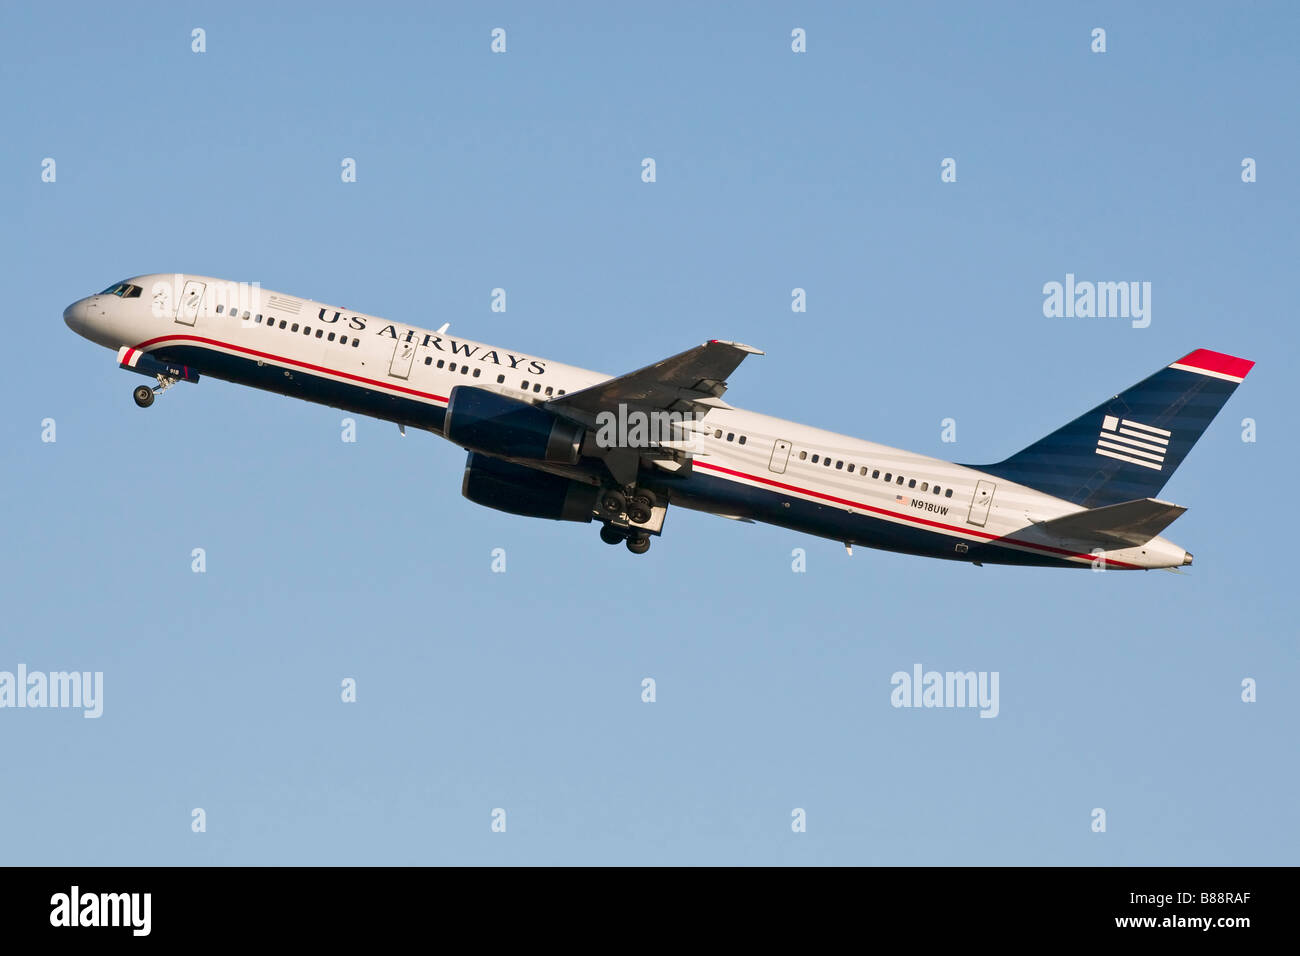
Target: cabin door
<point>187,310</point>
<point>980,503</point>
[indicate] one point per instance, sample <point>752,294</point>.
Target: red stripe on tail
<point>1209,361</point>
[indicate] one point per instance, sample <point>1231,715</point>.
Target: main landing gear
<point>638,506</point>
<point>638,542</point>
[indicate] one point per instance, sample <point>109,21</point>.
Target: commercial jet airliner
<point>547,440</point>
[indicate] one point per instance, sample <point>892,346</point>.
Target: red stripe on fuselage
<point>906,517</point>
<point>280,358</point>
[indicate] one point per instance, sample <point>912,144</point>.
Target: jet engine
<point>495,424</point>
<point>521,490</point>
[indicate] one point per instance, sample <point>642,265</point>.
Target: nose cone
<point>93,318</point>
<point>1187,558</point>
<point>77,317</point>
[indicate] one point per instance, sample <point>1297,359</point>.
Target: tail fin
<point>1127,447</point>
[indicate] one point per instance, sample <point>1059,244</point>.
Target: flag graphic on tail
<point>1127,447</point>
<point>1133,442</point>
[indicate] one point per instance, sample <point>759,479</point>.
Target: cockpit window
<point>123,290</point>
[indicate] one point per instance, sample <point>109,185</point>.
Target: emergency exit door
<point>980,503</point>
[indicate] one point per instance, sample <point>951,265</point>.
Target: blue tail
<point>1127,447</point>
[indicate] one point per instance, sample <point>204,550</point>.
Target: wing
<point>691,381</point>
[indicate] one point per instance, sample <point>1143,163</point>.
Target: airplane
<point>548,440</point>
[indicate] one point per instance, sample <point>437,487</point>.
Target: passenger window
<point>548,388</point>
<point>947,493</point>
<point>560,392</point>
<point>850,469</point>
<point>343,340</point>
<point>245,316</point>
<point>731,436</point>
<point>283,323</point>
<point>876,474</point>
<point>888,476</point>
<point>523,385</point>
<point>537,387</point>
<point>814,459</point>
<point>826,462</point>
<point>899,481</point>
<point>356,342</point>
<point>911,483</point>
<point>295,327</point>
<point>428,360</point>
<point>331,336</point>
<point>718,433</point>
<point>451,366</point>
<point>219,308</point>
<point>839,466</point>
<point>500,379</point>
<point>742,440</point>
<point>936,489</point>
<point>803,455</point>
<point>925,486</point>
<point>319,333</point>
<point>258,318</point>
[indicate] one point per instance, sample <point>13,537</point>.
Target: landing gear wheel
<point>609,534</point>
<point>638,543</point>
<point>143,396</point>
<point>641,507</point>
<point>612,503</point>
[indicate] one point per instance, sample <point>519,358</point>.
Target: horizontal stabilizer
<point>1114,527</point>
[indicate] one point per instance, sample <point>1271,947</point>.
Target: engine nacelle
<point>521,490</point>
<point>495,424</point>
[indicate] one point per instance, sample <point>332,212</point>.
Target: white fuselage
<point>399,372</point>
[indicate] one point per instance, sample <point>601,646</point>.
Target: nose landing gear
<point>144,395</point>
<point>167,373</point>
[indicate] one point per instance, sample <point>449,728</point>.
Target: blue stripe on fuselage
<point>705,491</point>
<point>299,383</point>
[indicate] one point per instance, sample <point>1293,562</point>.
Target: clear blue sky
<point>522,690</point>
